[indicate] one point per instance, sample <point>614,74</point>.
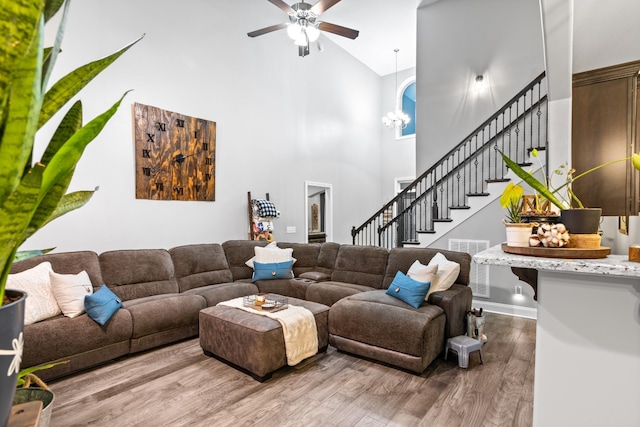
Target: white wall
<point>281,120</point>
<point>458,40</point>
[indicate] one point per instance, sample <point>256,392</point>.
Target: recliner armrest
<point>456,302</point>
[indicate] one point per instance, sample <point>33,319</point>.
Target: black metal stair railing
<point>517,128</point>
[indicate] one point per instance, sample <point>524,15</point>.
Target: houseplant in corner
<point>34,193</point>
<point>576,218</point>
<point>518,232</point>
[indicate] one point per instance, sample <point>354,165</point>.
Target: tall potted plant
<point>34,193</point>
<point>588,218</point>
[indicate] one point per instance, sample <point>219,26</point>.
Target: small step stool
<point>463,345</point>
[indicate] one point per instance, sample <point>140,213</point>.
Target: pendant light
<point>396,119</point>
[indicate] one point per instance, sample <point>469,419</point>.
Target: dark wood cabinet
<point>605,125</point>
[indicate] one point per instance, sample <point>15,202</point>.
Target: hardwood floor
<point>178,386</point>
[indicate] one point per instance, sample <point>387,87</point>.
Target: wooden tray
<point>589,253</point>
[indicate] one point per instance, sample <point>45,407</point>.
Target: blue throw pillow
<point>272,270</point>
<point>102,304</point>
<point>408,290</point>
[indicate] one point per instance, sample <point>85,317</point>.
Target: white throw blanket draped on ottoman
<point>298,327</point>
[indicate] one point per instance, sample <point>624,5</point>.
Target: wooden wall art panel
<point>175,155</point>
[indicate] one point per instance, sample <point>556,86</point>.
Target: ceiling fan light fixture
<point>313,33</point>
<point>294,30</point>
<point>302,39</point>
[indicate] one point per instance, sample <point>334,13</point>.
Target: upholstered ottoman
<point>252,342</point>
<point>380,327</point>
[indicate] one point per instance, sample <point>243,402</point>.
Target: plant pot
<point>581,221</point>
<point>29,394</point>
<point>518,234</point>
<point>11,330</point>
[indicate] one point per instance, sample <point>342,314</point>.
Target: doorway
<point>318,212</point>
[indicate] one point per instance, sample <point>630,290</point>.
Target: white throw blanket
<point>298,326</point>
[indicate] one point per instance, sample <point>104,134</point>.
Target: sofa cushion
<point>70,290</point>
<point>102,305</point>
<point>380,320</point>
<point>67,263</point>
<point>400,259</point>
<point>328,293</point>
<point>306,255</point>
<point>159,313</point>
<point>138,273</point>
<point>445,276</point>
<point>360,265</point>
<point>214,294</point>
<point>408,290</point>
<point>272,270</point>
<point>237,253</point>
<point>80,339</point>
<point>40,303</point>
<point>200,265</point>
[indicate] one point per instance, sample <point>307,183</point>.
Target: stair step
<point>460,207</point>
<point>410,242</point>
<point>477,194</point>
<point>442,220</point>
<point>497,180</point>
<point>525,165</point>
<point>529,150</point>
<point>426,231</point>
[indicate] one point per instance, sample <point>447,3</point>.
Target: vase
<point>518,234</point>
<point>29,394</point>
<point>11,333</point>
<point>582,220</point>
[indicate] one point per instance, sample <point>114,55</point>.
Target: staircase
<point>467,178</point>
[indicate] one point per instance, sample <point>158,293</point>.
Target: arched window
<point>408,106</point>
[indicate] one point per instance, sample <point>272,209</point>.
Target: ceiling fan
<point>303,26</point>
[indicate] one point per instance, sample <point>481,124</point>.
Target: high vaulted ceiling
<point>384,25</point>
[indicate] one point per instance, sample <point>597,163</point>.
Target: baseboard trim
<point>508,309</point>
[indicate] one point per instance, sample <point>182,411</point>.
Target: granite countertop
<point>616,265</point>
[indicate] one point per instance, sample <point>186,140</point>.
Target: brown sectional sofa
<point>163,292</point>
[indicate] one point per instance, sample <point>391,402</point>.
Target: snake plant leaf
<point>70,124</point>
<point>24,102</point>
<point>15,215</point>
<point>22,255</point>
<point>531,181</point>
<point>68,86</point>
<point>70,202</point>
<point>51,7</point>
<point>18,26</point>
<point>66,158</point>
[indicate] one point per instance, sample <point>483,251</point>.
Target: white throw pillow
<point>70,290</point>
<point>447,273</point>
<point>271,253</point>
<point>423,273</point>
<point>40,303</point>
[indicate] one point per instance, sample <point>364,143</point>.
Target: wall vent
<point>479,275</point>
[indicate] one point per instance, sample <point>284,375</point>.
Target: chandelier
<point>396,119</point>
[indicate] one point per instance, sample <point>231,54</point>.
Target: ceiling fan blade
<point>303,51</point>
<point>322,6</point>
<point>282,5</point>
<point>266,30</point>
<point>339,30</point>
